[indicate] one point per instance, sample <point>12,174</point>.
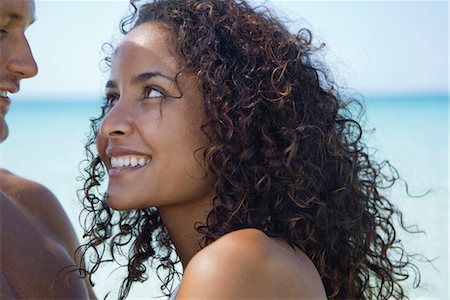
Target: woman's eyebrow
<point>147,75</point>
<point>139,79</point>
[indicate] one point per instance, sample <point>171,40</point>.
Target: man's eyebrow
<point>15,16</point>
<point>147,75</point>
<point>20,18</point>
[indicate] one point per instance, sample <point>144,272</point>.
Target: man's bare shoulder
<point>21,189</point>
<point>248,264</point>
<point>40,206</point>
<point>34,264</point>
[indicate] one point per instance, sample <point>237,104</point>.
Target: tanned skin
<point>37,240</point>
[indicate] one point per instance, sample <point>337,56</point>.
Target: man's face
<point>16,59</point>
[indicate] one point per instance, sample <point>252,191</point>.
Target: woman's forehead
<point>150,34</point>
<point>146,45</point>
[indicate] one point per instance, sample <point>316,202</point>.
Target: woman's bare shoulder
<point>248,264</point>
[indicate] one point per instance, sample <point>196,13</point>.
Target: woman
<point>225,140</point>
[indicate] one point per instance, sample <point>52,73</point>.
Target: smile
<point>5,102</point>
<point>128,162</point>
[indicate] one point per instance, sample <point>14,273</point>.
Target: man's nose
<point>21,63</point>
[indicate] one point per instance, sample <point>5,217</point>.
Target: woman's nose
<point>116,122</point>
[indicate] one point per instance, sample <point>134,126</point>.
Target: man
<point>37,241</point>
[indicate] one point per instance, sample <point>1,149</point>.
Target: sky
<point>374,47</point>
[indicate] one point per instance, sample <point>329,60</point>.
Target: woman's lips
<point>124,170</point>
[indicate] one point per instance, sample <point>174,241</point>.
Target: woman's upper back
<point>248,264</point>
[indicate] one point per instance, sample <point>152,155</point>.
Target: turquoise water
<point>46,138</point>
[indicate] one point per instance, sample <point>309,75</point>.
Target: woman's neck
<point>180,220</point>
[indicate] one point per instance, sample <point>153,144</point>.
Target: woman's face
<point>150,134</point>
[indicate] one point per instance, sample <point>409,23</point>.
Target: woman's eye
<point>110,100</point>
<point>153,93</point>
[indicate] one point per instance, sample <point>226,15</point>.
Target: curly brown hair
<point>285,146</point>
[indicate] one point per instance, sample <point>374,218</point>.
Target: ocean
<point>46,145</point>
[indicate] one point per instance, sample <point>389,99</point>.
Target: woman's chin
<point>117,204</point>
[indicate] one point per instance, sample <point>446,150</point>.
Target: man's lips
<point>9,87</point>
<point>5,103</point>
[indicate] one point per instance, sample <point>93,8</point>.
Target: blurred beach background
<point>395,54</point>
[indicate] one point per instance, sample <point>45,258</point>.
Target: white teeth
<point>126,161</point>
<point>3,93</point>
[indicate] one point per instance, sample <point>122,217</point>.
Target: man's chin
<point>3,130</point>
